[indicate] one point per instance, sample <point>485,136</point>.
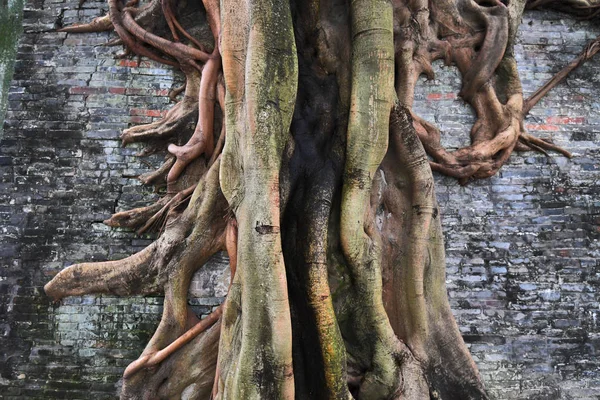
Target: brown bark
<point>309,167</point>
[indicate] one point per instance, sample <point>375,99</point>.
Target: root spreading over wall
<point>309,167</point>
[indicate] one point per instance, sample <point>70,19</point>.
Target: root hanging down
<point>295,149</point>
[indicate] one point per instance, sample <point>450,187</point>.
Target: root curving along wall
<point>522,247</point>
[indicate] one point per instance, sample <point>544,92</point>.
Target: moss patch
<point>11,13</point>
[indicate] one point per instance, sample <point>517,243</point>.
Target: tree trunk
<point>308,166</point>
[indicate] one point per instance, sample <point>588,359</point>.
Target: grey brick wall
<point>522,247</point>
<point>10,28</point>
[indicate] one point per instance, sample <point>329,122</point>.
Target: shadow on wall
<point>11,13</point>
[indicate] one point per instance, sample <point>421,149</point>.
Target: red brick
<point>565,120</point>
<point>541,127</point>
<point>564,253</point>
<point>153,113</point>
<point>116,90</point>
<point>86,90</point>
<point>145,112</point>
<point>128,63</point>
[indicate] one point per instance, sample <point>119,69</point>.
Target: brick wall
<point>522,247</point>
<point>10,29</point>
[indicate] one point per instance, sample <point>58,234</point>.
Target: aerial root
<point>102,23</point>
<point>202,141</point>
<point>218,147</point>
<point>185,155</point>
<point>153,359</point>
<point>489,73</point>
<point>98,24</point>
<point>130,42</point>
<point>169,16</point>
<point>492,50</point>
<point>156,222</point>
<point>113,42</point>
<point>590,50</point>
<point>176,119</point>
<point>160,175</point>
<point>150,218</point>
<point>143,15</point>
<point>176,28</point>
<point>221,141</point>
<point>542,145</point>
<point>176,50</point>
<point>231,239</point>
<point>136,217</point>
<point>410,151</point>
<point>121,277</point>
<point>175,295</point>
<point>201,46</point>
<point>182,250</point>
<point>176,92</point>
<point>531,141</point>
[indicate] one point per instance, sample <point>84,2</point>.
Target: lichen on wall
<point>10,27</point>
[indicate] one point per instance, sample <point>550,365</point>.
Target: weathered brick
<point>522,247</point>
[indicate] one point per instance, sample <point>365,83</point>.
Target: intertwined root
<point>322,192</point>
<point>478,39</point>
<point>165,267</point>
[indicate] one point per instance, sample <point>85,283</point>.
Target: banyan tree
<point>294,148</point>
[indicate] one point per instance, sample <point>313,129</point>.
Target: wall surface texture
<point>10,27</point>
<point>522,247</point>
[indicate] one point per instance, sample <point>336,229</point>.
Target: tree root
<point>160,175</point>
<point>152,360</point>
<point>584,9</point>
<point>122,277</point>
<point>98,24</point>
<point>116,17</point>
<point>176,92</point>
<point>144,16</point>
<point>590,50</point>
<point>542,145</point>
<point>318,187</point>
<point>202,141</point>
<point>176,119</point>
<point>380,352</point>
<point>179,51</point>
<point>158,220</point>
<point>499,128</point>
<point>136,217</point>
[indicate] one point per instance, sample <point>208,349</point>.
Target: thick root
<point>99,24</point>
<point>159,176</point>
<point>186,373</point>
<point>202,141</point>
<point>136,217</point>
<point>130,276</point>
